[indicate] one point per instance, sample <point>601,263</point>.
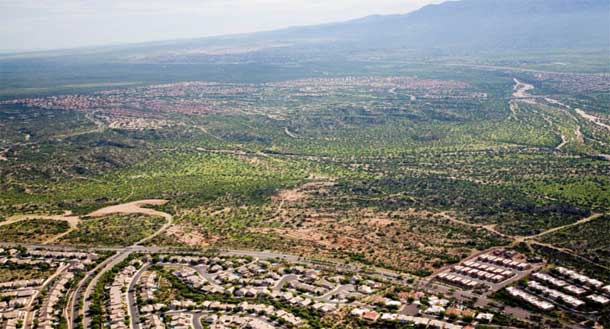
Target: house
<point>370,316</point>
<point>365,289</point>
<point>453,311</point>
<point>392,303</point>
<point>485,317</point>
<point>599,299</point>
<point>434,310</point>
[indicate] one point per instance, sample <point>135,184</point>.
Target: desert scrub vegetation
<point>113,230</point>
<point>32,230</point>
<point>589,240</point>
<point>306,221</point>
<point>187,178</point>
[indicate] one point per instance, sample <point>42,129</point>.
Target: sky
<point>58,24</point>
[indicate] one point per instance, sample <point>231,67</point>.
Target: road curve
<point>111,262</point>
<point>132,305</point>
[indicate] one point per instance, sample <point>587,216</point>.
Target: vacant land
<point>113,230</point>
<point>32,230</point>
<point>589,240</point>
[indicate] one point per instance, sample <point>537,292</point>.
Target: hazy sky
<point>50,24</point>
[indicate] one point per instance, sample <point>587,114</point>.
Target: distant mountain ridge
<point>510,24</point>
<point>467,25</point>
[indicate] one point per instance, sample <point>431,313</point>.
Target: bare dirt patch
<point>188,236</point>
<point>290,195</point>
<point>409,239</point>
<point>135,207</point>
<point>300,193</point>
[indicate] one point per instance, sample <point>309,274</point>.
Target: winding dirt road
<point>521,89</point>
<point>136,207</point>
<point>72,220</point>
<point>564,141</point>
<point>489,227</point>
<point>66,217</point>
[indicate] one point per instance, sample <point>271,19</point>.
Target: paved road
<point>197,320</point>
<point>123,253</point>
<point>83,292</point>
<point>111,262</point>
<point>260,254</point>
<point>132,305</point>
<point>73,298</point>
<point>58,247</point>
<point>70,308</point>
<point>207,276</point>
<point>284,280</point>
<point>337,290</point>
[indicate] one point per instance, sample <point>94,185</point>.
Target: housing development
<point>153,287</point>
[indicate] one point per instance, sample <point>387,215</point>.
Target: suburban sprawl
<point>141,287</point>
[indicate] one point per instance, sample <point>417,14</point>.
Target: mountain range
<point>470,25</point>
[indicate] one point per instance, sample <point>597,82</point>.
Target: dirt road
<point>564,141</point>
<point>136,207</point>
<point>489,227</point>
<point>521,89</point>
<point>559,228</point>
<point>290,133</point>
<point>66,217</point>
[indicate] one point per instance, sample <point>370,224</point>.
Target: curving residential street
<point>132,306</point>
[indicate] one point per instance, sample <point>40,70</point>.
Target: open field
<point>33,230</point>
<point>113,230</point>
